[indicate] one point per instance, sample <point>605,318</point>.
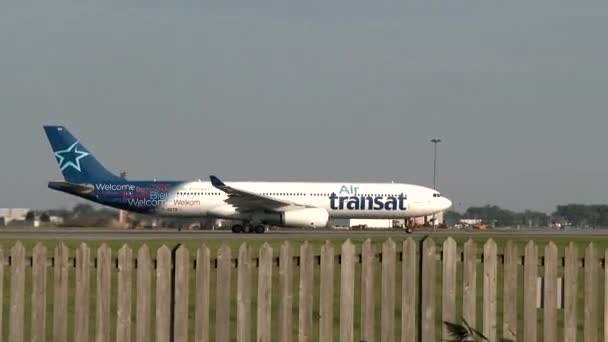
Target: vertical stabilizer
<point>76,163</point>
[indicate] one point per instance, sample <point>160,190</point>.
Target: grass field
<point>601,243</point>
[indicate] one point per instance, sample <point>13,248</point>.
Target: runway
<point>285,234</point>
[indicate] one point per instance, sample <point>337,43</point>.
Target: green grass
<point>275,242</point>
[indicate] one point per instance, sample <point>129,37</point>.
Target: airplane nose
<point>446,204</point>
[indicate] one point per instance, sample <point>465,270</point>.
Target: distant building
<point>13,214</point>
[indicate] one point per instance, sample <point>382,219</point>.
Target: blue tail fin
<point>77,164</point>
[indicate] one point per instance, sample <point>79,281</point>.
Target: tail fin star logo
<point>70,157</point>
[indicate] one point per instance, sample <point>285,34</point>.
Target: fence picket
<point>570,292</point>
<point>264,294</point>
<point>448,303</point>
<point>16,311</point>
<point>550,294</point>
<point>347,291</point>
<point>286,292</point>
<point>144,295</point>
<point>60,294</point>
<point>83,289</point>
<point>201,307</point>
<point>469,287</point>
<point>182,282</point>
<point>104,277</point>
<point>222,294</point>
<point>39,280</point>
<point>326,296</point>
<point>509,325</point>
<point>1,291</point>
<point>530,276</point>
<point>490,270</point>
<point>429,264</point>
<point>367,291</point>
<point>243,294</point>
<point>305,300</point>
<point>605,295</point>
<point>163,294</point>
<point>409,286</point>
<point>388,292</point>
<point>591,293</point>
<point>125,293</point>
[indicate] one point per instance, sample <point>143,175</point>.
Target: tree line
<point>570,214</point>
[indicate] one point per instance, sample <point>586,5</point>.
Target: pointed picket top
<point>286,245</point>
<point>449,243</point>
<point>347,242</point>
<point>265,250</point>
<point>306,247</point>
<point>429,243</point>
<point>204,250</point>
<point>103,245</point>
<point>223,249</point>
<point>470,243</point>
<point>163,252</point>
<point>590,251</point>
<point>244,250</point>
<point>366,243</point>
<point>17,247</point>
<point>143,251</point>
<point>389,244</point>
<point>39,248</point>
<point>124,250</point>
<point>327,245</point>
<point>409,243</point>
<point>104,252</point>
<point>572,248</point>
<point>530,247</point>
<point>551,247</point>
<point>182,253</point>
<point>489,246</point>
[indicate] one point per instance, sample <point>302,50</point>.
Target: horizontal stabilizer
<point>72,188</point>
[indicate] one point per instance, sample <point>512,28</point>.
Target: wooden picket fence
<point>393,291</point>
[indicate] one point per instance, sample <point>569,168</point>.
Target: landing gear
<point>237,228</point>
<point>408,230</point>
<point>260,229</point>
<point>247,229</point>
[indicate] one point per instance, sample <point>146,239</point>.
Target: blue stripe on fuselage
<point>140,197</point>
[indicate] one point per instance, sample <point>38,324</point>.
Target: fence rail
<point>351,292</point>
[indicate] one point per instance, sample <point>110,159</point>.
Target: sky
<point>346,91</point>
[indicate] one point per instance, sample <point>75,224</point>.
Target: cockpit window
<point>437,195</point>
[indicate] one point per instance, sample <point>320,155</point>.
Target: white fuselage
<point>341,200</point>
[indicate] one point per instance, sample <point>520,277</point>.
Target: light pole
<point>435,141</point>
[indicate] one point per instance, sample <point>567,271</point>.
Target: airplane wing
<point>248,201</point>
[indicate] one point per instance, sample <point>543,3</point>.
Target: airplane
<point>254,206</point>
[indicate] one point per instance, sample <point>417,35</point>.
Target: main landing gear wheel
<point>408,230</point>
<point>260,229</point>
<point>237,228</point>
<point>247,229</point>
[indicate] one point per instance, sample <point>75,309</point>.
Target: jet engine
<point>309,217</point>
